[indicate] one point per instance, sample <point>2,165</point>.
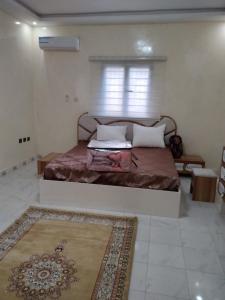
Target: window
<point>126,90</point>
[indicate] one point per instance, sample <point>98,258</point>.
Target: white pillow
<point>148,136</point>
<point>109,144</point>
<point>106,133</point>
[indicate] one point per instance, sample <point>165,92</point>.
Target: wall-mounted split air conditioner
<point>59,43</point>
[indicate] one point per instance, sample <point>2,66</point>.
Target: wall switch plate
<point>20,141</point>
<point>24,140</point>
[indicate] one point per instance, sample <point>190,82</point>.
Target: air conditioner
<point>59,43</point>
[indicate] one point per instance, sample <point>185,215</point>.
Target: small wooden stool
<point>203,185</point>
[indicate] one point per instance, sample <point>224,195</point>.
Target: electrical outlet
<point>28,139</point>
<point>24,140</point>
<point>20,141</point>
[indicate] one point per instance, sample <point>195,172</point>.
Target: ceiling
<point>49,7</point>
<point>114,11</point>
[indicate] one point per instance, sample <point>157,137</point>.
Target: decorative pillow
<point>148,136</point>
<point>108,133</point>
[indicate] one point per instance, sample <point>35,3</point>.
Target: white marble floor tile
<point>143,233</point>
<point>164,235</point>
<point>138,277</point>
<point>136,295</point>
<point>222,262</point>
<point>206,214</point>
<point>143,220</point>
<point>206,286</point>
<point>141,251</point>
<point>11,216</point>
<point>198,240</point>
<point>217,224</point>
<point>185,184</point>
<point>202,260</point>
<point>193,224</point>
<point>167,223</point>
<point>166,256</point>
<point>167,281</point>
<point>151,296</point>
<point>219,240</point>
<point>11,204</point>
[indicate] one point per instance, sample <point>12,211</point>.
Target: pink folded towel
<point>109,161</point>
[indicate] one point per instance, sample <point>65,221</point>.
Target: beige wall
<point>16,107</point>
<point>195,81</point>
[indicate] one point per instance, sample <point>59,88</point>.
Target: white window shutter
<point>126,90</point>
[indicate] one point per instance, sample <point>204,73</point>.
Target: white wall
<point>195,81</point>
<point>16,105</point>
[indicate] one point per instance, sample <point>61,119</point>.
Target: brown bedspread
<point>155,170</point>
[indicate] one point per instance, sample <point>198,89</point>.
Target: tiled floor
<point>174,259</point>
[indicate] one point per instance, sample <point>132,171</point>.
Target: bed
<point>153,169</point>
<point>152,181</point>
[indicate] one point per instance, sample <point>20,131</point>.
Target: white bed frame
<point>114,198</point>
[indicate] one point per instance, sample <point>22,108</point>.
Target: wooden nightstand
<point>203,185</point>
<point>186,163</point>
<point>42,162</point>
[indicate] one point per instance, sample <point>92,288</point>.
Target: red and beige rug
<point>54,254</point>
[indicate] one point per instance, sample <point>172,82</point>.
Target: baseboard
<point>18,165</point>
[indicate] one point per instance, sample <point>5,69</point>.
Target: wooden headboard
<point>87,126</point>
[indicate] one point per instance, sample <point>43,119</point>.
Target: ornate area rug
<point>53,254</point>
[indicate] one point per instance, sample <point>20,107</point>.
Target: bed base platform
<point>116,198</point>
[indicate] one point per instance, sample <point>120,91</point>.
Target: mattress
<point>154,168</point>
